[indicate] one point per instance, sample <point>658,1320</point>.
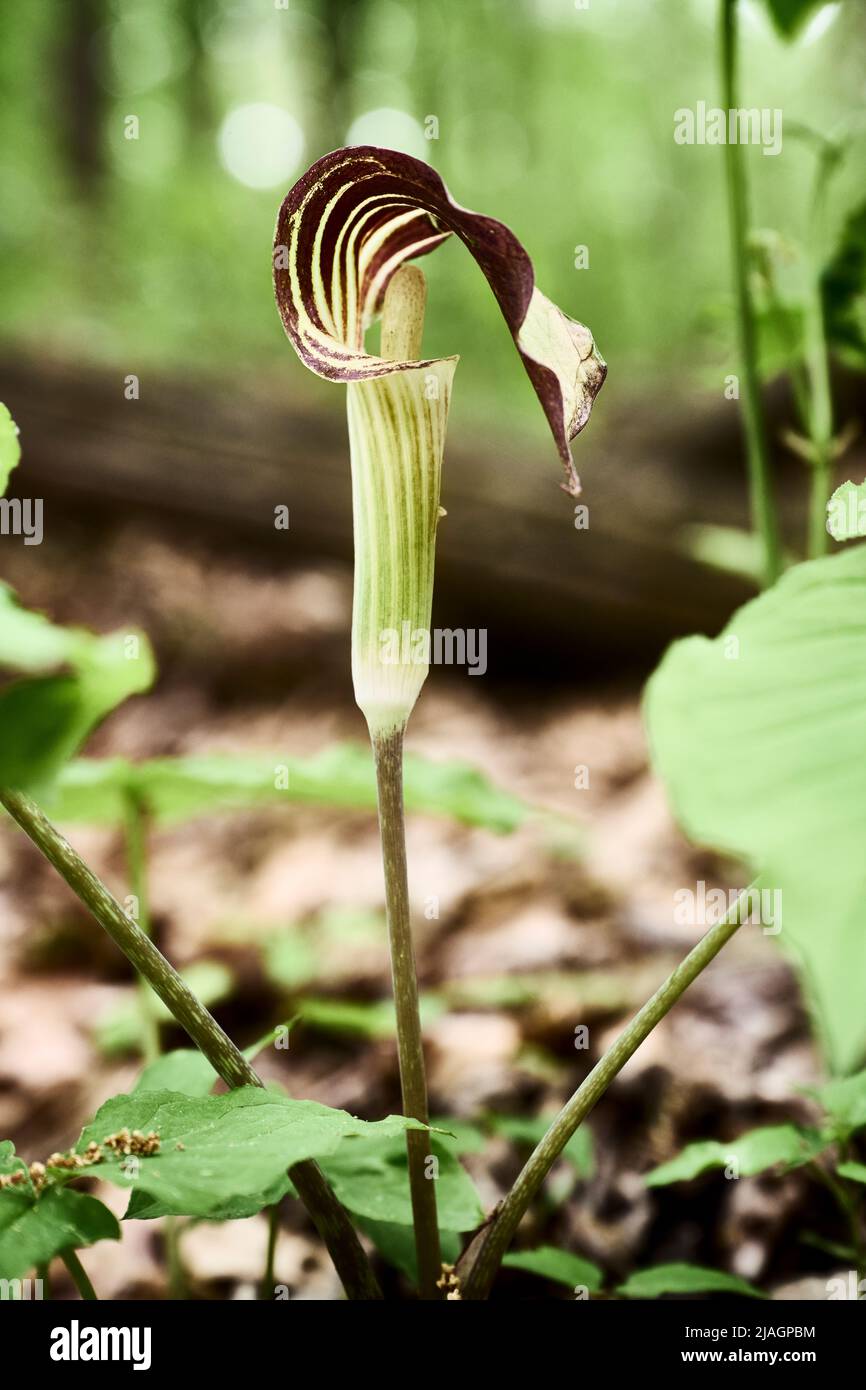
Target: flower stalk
<point>396,433</point>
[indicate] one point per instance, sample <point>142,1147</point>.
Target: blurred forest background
<point>151,257</point>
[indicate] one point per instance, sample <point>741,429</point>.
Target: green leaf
<point>683,1278</point>
<point>845,1102</point>
<point>855,1171</point>
<point>724,548</point>
<point>758,737</point>
<point>122,1028</point>
<point>754,1152</point>
<point>559,1265</point>
<point>53,714</point>
<point>177,789</point>
<point>396,1244</point>
<point>843,288</point>
<point>790,16</point>
<point>531,1129</point>
<point>10,448</point>
<point>371,1178</point>
<point>184,1070</point>
<point>222,1155</point>
<point>35,1229</point>
<point>846,512</point>
<point>374,1019</point>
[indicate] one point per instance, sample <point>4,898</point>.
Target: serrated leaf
<point>754,1152</point>
<point>845,1102</point>
<point>10,447</point>
<point>183,1070</point>
<point>371,1178</point>
<point>35,1229</point>
<point>685,1279</point>
<point>846,512</point>
<point>559,1265</point>
<point>217,1153</point>
<point>779,698</point>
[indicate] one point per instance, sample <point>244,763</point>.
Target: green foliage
<point>33,1229</point>
<point>10,448</point>
<point>559,1265</point>
<point>177,789</point>
<point>75,679</point>
<point>757,735</point>
<point>373,1020</point>
<point>531,1129</point>
<point>371,1178</point>
<point>220,1156</point>
<point>845,1103</point>
<point>396,1244</point>
<point>184,1070</point>
<point>843,287</point>
<point>785,1146</point>
<point>846,512</point>
<point>684,1279</point>
<point>123,1028</point>
<point>855,1171</point>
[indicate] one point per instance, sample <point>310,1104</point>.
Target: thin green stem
<point>227,1060</point>
<point>483,1258</point>
<point>763,509</point>
<point>266,1291</point>
<point>136,860</point>
<point>78,1274</point>
<point>820,400</point>
<point>388,752</point>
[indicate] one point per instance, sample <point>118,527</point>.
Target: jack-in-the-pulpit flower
<point>343,231</point>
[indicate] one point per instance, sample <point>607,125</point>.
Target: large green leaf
<point>759,736</point>
<point>35,1229</point>
<point>559,1265</point>
<point>752,1153</point>
<point>176,789</point>
<point>371,1178</point>
<point>10,448</point>
<point>218,1155</point>
<point>683,1278</point>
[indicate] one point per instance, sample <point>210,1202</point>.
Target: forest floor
<point>534,937</point>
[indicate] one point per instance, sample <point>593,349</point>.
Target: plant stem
<point>388,752</point>
<point>820,401</point>
<point>762,505</point>
<point>43,1272</point>
<point>266,1291</point>
<point>484,1257</point>
<point>228,1061</point>
<point>136,861</point>
<point>78,1275</point>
